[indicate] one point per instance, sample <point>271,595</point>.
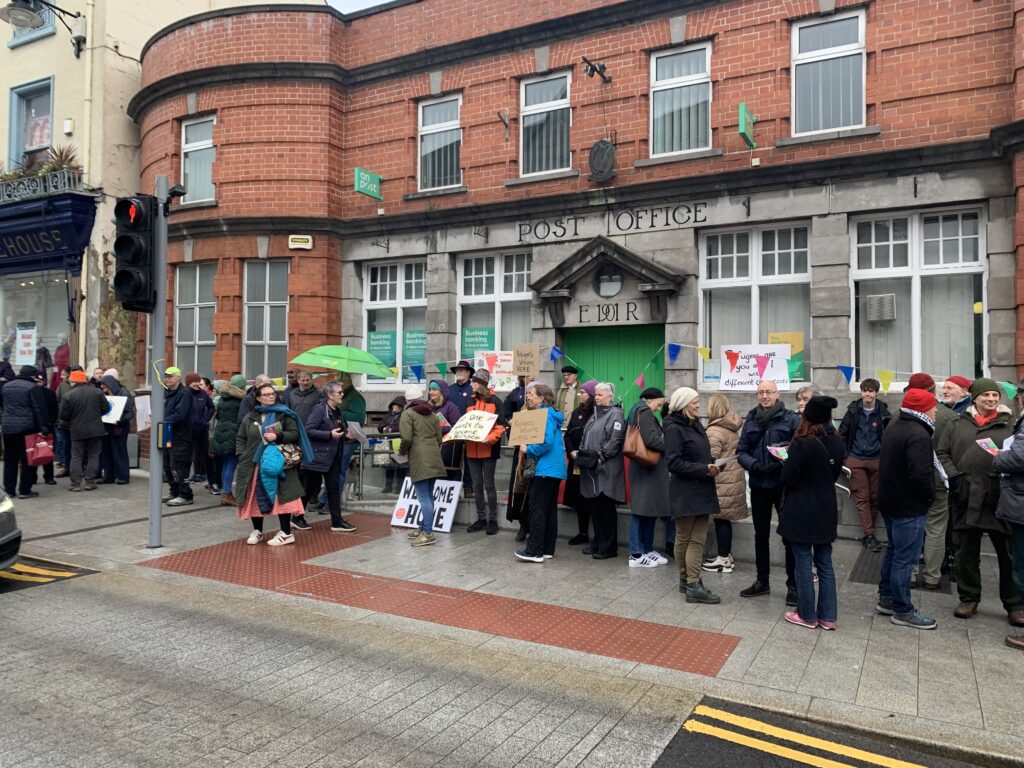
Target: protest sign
<point>526,359</point>
<point>117,403</point>
<point>528,427</point>
<point>408,513</point>
<point>744,365</point>
<point>473,426</point>
<point>500,365</point>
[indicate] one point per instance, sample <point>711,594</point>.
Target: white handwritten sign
<point>744,365</point>
<point>500,364</point>
<point>473,426</point>
<point>527,359</point>
<point>408,512</point>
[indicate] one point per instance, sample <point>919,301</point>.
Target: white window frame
<point>400,303</point>
<point>915,270</point>
<point>536,109</point>
<point>797,58</point>
<point>193,147</point>
<point>266,304</point>
<point>195,306</point>
<point>754,280</point>
<point>500,295</point>
<point>678,82</point>
<point>437,128</point>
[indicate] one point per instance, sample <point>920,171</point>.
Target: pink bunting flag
<point>762,364</point>
<point>640,381</point>
<point>733,358</point>
<point>491,361</point>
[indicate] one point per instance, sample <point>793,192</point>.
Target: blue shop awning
<point>48,233</point>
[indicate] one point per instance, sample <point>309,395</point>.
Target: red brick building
<point>874,223</point>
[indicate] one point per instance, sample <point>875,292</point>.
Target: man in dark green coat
<point>225,430</point>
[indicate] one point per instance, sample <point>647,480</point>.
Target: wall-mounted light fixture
<point>595,69</point>
<point>25,14</point>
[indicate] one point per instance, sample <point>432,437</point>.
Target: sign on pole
<point>368,184</point>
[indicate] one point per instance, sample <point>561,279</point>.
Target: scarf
<point>283,410</point>
<point>923,418</point>
<point>764,415</point>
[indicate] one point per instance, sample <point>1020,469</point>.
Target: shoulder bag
<point>636,450</point>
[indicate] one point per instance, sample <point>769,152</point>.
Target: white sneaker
<point>642,562</point>
<point>656,557</point>
<point>730,564</point>
<point>255,537</point>
<point>719,565</point>
<point>281,539</point>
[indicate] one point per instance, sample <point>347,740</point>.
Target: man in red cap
<point>955,393</point>
<point>906,486</point>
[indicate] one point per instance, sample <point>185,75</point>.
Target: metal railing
<point>41,185</point>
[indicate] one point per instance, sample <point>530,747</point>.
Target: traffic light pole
<point>158,343</point>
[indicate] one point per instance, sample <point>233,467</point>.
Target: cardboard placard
<point>473,426</point>
<point>528,427</point>
<point>408,513</point>
<point>526,359</point>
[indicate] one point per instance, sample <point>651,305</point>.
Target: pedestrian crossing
<point>30,572</point>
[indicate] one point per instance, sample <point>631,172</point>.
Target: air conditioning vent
<point>881,308</point>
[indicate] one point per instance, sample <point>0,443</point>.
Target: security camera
<point>177,191</point>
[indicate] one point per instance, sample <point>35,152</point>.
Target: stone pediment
<point>557,288</point>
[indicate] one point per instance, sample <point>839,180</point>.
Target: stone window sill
<point>569,174</point>
<point>435,192</point>
<point>680,158</point>
<point>848,133</point>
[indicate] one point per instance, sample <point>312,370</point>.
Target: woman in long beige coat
<point>731,484</point>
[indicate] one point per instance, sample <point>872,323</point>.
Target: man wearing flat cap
<point>974,496</point>
<point>568,398</point>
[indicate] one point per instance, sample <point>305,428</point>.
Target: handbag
<point>636,450</point>
<point>586,458</point>
<point>292,455</point>
<point>38,449</point>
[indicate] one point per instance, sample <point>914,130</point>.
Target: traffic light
<point>134,252</point>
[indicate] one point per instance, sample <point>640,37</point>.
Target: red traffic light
<point>130,213</point>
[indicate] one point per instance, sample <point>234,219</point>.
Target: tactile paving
<point>285,569</point>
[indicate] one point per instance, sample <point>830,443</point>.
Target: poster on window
<point>477,338</point>
<point>414,352</point>
<point>408,513</point>
<point>795,339</point>
<point>501,365</point>
<point>744,365</point>
<point>25,346</point>
<point>381,344</point>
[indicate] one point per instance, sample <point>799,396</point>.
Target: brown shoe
<point>965,610</point>
<point>934,586</point>
<point>1015,641</point>
<point>1016,617</point>
<point>227,500</point>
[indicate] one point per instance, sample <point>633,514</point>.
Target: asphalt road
<point>720,734</point>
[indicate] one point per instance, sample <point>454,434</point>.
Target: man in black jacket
<point>906,487</point>
<point>115,444</point>
<point>24,409</point>
<point>861,431</point>
<point>81,412</point>
<point>177,457</point>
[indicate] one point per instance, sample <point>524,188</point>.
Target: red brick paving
<point>284,570</point>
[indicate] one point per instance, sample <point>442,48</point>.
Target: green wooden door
<point>618,355</point>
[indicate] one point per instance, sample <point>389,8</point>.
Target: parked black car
<point>10,534</point>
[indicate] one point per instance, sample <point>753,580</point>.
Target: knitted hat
<point>921,381</point>
<point>981,386</point>
<point>192,378</point>
<point>481,375</point>
<point>78,377</point>
<point>238,380</point>
<point>651,393</point>
<point>112,372</point>
<point>681,398</point>
<point>414,392</point>
<point>960,381</point>
<point>819,409</point>
<point>590,387</point>
<point>920,400</point>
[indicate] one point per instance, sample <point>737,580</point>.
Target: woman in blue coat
<point>548,474</point>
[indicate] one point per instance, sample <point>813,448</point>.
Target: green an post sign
<point>368,184</point>
<point>747,121</point>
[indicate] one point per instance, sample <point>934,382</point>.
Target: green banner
<point>381,344</point>
<point>477,339</point>
<point>414,352</point>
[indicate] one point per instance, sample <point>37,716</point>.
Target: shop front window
<point>36,303</point>
<point>396,318</point>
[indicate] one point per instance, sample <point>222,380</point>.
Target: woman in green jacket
<point>421,443</point>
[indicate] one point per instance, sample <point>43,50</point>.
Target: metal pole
<point>158,342</point>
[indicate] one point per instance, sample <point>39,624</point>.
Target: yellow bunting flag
<point>278,382</point>
<point>394,371</point>
<point>705,352</point>
<point>885,379</point>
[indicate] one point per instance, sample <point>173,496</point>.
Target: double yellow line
<point>21,572</point>
<point>765,729</point>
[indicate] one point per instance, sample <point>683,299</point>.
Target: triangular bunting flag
<point>762,364</point>
<point>417,371</point>
<point>555,354</point>
<point>885,379</point>
<point>673,352</point>
<point>847,372</point>
<point>491,360</point>
<point>278,382</point>
<point>394,371</point>
<point>639,381</point>
<point>795,366</point>
<point>1009,389</point>
<point>705,352</point>
<point>441,368</point>
<point>733,358</point>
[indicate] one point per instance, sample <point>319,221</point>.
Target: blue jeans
<point>227,475</point>
<point>347,449</point>
<point>670,533</point>
<point>826,607</point>
<point>62,446</point>
<point>641,534</point>
<point>906,537</point>
<point>425,496</point>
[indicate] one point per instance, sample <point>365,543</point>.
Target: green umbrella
<point>345,359</point>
